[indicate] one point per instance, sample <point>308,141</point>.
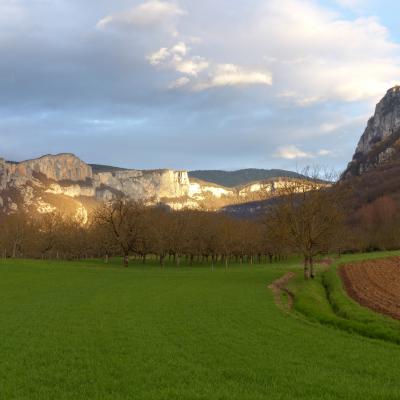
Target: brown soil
<point>278,287</point>
<point>374,284</point>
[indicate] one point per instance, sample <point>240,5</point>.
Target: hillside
<point>96,168</point>
<point>373,173</point>
<point>242,176</point>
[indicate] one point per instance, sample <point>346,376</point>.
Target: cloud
<point>313,53</point>
<point>180,82</point>
<point>291,152</point>
<point>235,75</point>
<point>180,49</point>
<point>174,59</point>
<point>327,67</point>
<point>150,14</point>
<point>193,66</point>
<point>215,75</point>
<point>318,56</point>
<point>324,152</point>
<point>159,56</point>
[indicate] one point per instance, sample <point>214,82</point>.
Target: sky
<point>189,84</point>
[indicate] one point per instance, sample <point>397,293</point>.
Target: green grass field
<point>90,331</point>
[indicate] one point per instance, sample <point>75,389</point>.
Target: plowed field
<point>375,284</point>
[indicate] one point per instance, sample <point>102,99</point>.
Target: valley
<point>199,200</point>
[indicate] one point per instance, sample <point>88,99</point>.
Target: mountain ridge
<point>242,176</point>
<point>41,184</point>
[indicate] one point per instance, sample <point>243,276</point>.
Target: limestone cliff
<point>60,167</point>
<point>380,141</point>
<point>142,185</point>
<point>26,184</point>
<point>66,183</point>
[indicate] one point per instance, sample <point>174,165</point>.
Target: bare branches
<point>307,216</point>
<point>124,220</point>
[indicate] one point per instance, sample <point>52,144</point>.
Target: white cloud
<point>159,56</point>
<point>316,55</point>
<point>180,82</point>
<point>324,152</point>
<point>291,152</point>
<point>215,75</point>
<point>175,59</point>
<point>193,66</point>
<point>234,75</point>
<point>312,52</point>
<point>150,14</point>
<point>180,49</point>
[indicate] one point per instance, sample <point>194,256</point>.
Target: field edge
<point>324,300</point>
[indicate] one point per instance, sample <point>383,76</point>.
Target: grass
<point>84,330</point>
<point>324,300</point>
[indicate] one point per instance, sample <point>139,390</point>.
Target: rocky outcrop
<point>64,182</point>
<point>384,123</point>
<point>380,142</point>
<point>142,185</point>
<point>60,167</point>
<point>53,176</point>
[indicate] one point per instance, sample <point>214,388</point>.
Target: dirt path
<point>278,287</point>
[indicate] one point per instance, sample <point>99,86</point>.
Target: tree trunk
<point>306,270</point>
<point>311,267</point>
<point>126,261</point>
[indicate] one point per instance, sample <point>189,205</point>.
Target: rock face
<point>142,185</point>
<point>379,143</point>
<point>66,183</point>
<point>60,167</point>
<point>385,121</point>
<point>28,183</point>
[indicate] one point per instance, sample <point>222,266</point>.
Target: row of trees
<point>128,228</point>
<point>307,219</point>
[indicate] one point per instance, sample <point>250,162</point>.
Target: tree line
<point>307,219</point>
<point>128,228</point>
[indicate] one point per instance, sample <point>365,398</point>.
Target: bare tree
<point>307,217</point>
<point>124,220</point>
